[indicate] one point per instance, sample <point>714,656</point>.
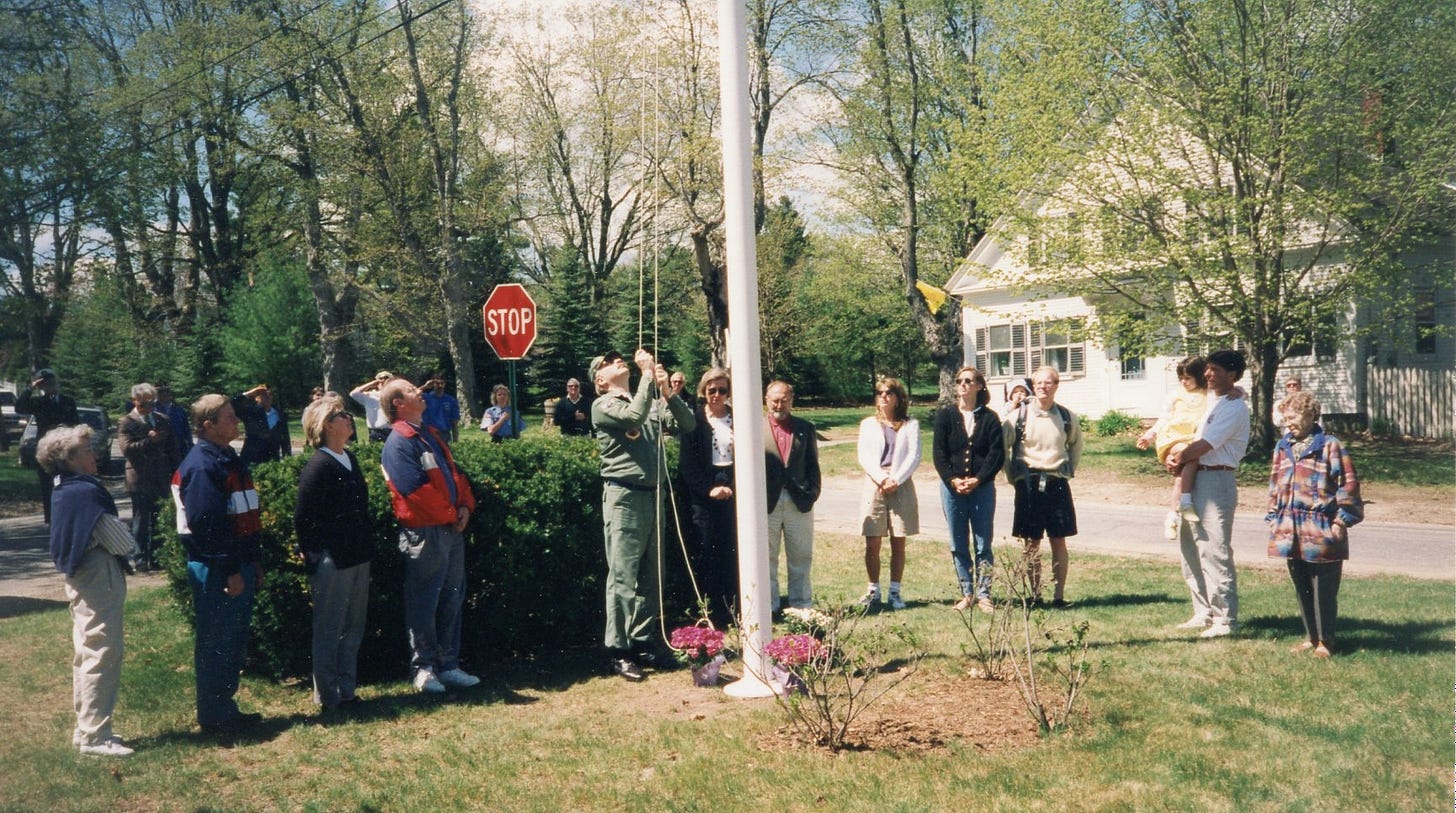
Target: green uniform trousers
<point>631,519</point>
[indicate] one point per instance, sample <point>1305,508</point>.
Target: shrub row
<point>535,561</point>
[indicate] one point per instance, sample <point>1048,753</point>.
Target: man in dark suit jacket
<point>266,425</point>
<point>792,471</point>
<point>47,409</point>
<point>151,456</point>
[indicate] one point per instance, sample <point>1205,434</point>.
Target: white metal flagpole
<point>743,359</point>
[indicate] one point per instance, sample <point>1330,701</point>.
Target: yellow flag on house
<point>934,297</point>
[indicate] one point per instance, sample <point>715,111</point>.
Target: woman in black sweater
<point>968,451</point>
<point>336,539</point>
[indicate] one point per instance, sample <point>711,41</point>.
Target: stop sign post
<point>510,330</point>
<point>510,321</point>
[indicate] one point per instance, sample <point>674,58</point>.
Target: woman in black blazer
<point>968,452</point>
<point>705,464</point>
<point>337,542</point>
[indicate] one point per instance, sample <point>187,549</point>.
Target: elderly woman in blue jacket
<point>1314,497</point>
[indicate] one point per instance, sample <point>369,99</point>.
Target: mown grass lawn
<point>1168,723</point>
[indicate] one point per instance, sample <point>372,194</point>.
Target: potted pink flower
<point>790,654</point>
<point>701,648</point>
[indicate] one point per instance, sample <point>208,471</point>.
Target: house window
<point>1133,368</point>
<point>1058,349</point>
<point>1015,349</point>
<point>1424,317</point>
<point>1323,344</point>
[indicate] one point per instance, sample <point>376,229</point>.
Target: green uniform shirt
<point>627,430</point>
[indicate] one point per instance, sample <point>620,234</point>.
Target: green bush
<point>1115,423</point>
<point>534,559</point>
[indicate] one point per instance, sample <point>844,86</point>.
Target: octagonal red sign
<point>510,321</point>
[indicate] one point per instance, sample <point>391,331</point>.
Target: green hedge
<point>534,560</point>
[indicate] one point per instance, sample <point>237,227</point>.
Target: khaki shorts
<point>895,515</point>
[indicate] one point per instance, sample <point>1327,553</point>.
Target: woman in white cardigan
<point>889,451</point>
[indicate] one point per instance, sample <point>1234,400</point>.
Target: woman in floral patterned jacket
<point>1314,497</point>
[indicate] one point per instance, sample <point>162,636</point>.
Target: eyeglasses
<point>965,380</point>
<point>716,390</point>
<point>345,415</point>
<point>882,393</point>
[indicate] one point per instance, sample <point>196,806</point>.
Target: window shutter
<point>1018,349</point>
<point>1077,358</point>
<point>1035,356</point>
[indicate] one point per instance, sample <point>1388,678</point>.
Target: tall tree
<point>910,97</point>
<point>1239,172</point>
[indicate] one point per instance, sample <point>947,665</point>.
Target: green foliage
<point>572,331</point>
<point>271,334</point>
<point>534,545</point>
<point>1113,423</point>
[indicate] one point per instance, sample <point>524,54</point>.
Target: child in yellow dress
<point>1174,430</point>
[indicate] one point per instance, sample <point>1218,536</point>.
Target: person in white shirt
<point>1208,557</point>
<point>889,451</point>
<point>367,395</point>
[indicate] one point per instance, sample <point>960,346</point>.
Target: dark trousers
<point>47,482</point>
<point>1317,585</point>
<point>715,564</point>
<point>144,509</point>
<point>221,644</point>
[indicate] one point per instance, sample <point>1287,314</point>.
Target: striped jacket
<point>217,508</point>
<point>1307,493</point>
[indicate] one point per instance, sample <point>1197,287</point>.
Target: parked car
<point>11,422</point>
<point>101,434</point>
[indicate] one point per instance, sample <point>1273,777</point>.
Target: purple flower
<point>696,645</point>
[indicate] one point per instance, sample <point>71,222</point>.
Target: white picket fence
<point>1415,402</point>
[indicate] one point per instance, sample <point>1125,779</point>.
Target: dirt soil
<point>928,712</point>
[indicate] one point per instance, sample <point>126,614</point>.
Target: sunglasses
<point>884,392</point>
<point>965,380</point>
<point>716,390</point>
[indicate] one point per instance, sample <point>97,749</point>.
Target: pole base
<point>751,686</point>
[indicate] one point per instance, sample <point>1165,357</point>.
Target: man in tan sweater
<point>1044,443</point>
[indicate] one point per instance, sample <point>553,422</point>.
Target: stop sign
<point>510,321</point>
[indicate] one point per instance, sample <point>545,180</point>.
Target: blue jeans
<point>434,595</point>
<point>221,640</point>
<point>968,515</point>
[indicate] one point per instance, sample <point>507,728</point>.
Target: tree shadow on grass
<point>1417,637</point>
<point>16,606</point>
<point>1125,600</point>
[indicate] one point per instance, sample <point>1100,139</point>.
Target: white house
<point>1397,376</point>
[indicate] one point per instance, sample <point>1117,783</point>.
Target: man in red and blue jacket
<point>432,501</point>
<point>218,520</point>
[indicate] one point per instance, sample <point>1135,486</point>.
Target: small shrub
<point>1115,423</point>
<point>842,673</point>
<point>1048,659</point>
<point>989,646</point>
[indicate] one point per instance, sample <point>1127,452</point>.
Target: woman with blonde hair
<point>888,452</point>
<point>336,539</point>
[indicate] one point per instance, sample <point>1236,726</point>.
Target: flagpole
<point>755,622</point>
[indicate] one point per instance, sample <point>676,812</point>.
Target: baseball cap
<point>383,375</point>
<point>601,361</point>
<point>45,372</point>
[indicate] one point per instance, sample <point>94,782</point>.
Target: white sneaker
<point>869,599</point>
<point>896,603</point>
<point>1217,631</point>
<point>111,747</point>
<point>1189,514</point>
<point>1197,622</point>
<point>425,681</point>
<point>458,678</point>
<point>1170,526</point>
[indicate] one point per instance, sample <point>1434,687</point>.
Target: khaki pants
<point>97,593</point>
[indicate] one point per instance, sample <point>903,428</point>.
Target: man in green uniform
<point>627,426</point>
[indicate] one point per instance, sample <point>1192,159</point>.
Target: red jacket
<point>420,483</point>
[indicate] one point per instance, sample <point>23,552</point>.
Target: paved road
<point>1406,549</point>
